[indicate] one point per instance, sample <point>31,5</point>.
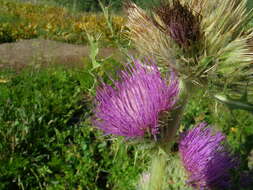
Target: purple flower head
<point>131,108</point>
<point>206,158</point>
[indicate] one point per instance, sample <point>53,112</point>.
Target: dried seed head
<point>180,22</point>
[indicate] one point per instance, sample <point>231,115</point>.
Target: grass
<point>47,137</point>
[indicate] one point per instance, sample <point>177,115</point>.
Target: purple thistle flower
<point>181,22</point>
<point>132,107</point>
<point>206,158</point>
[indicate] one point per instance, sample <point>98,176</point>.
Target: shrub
<point>90,5</point>
<point>26,21</point>
<point>47,141</point>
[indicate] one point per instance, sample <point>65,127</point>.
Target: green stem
<point>157,172</point>
<point>169,132</point>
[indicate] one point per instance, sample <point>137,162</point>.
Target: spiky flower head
<point>180,23</point>
<point>132,107</point>
<point>206,158</point>
<point>220,56</point>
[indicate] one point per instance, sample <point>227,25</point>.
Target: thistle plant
<point>139,106</point>
<point>133,107</point>
<point>206,158</point>
<point>179,22</point>
<point>195,44</point>
<point>204,41</point>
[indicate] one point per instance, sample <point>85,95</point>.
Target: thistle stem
<point>169,132</point>
<point>158,172</point>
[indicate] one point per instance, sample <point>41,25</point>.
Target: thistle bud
<point>180,23</point>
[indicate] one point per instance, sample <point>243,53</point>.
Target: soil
<point>46,52</point>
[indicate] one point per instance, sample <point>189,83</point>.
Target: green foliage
<point>199,108</point>
<point>90,5</point>
<point>26,21</point>
<point>176,174</point>
<point>250,4</point>
<point>47,141</point>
